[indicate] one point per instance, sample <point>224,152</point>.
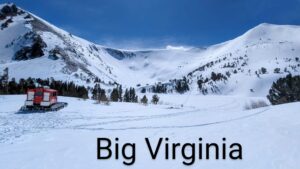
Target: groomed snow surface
<point>66,139</point>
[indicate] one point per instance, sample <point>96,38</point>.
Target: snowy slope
<point>265,46</point>
<point>64,56</point>
<point>67,139</point>
<point>240,60</point>
<point>67,57</point>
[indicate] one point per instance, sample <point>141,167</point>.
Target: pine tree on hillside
<point>103,98</point>
<point>99,94</point>
<point>181,86</point>
<point>159,88</point>
<point>4,81</point>
<point>263,70</point>
<point>30,83</point>
<point>200,84</point>
<point>143,90</point>
<point>155,99</point>
<point>130,95</point>
<point>82,92</point>
<point>144,100</point>
<point>13,87</point>
<point>126,96</point>
<point>114,96</point>
<point>277,70</point>
<point>5,75</point>
<point>96,91</point>
<point>285,90</point>
<point>120,93</point>
<point>136,99</point>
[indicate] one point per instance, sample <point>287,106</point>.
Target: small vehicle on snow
<point>42,99</point>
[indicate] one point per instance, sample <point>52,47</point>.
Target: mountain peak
<point>9,9</point>
<point>28,42</point>
<point>269,33</point>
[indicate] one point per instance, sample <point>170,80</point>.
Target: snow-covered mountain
<point>246,65</point>
<point>30,46</point>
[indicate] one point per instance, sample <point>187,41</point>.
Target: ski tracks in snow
<point>14,125</point>
<point>145,119</point>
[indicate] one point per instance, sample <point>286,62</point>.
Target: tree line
<point>64,88</point>
<point>12,86</point>
<point>178,85</point>
<point>117,95</point>
<point>70,89</point>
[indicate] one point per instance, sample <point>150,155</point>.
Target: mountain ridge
<point>217,69</point>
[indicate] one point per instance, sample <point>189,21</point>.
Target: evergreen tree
<point>181,86</point>
<point>4,81</point>
<point>120,93</point>
<point>97,80</point>
<point>285,90</point>
<point>130,95</point>
<point>103,98</point>
<point>114,96</point>
<point>159,88</point>
<point>83,92</point>
<point>126,96</point>
<point>200,84</point>
<point>277,70</point>
<point>96,91</point>
<point>263,70</point>
<point>13,87</point>
<point>144,100</point>
<point>155,99</point>
<point>136,99</point>
<point>5,75</point>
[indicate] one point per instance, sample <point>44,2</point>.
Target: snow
<point>16,29</point>
<point>261,49</point>
<point>67,138</point>
<point>266,45</point>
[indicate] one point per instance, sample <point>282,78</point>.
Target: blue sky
<point>157,23</point>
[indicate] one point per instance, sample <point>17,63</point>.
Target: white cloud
<point>170,47</point>
<point>140,43</point>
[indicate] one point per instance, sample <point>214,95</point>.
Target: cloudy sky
<point>157,23</point>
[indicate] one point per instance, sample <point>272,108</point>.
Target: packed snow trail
<point>15,124</point>
<point>182,126</point>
